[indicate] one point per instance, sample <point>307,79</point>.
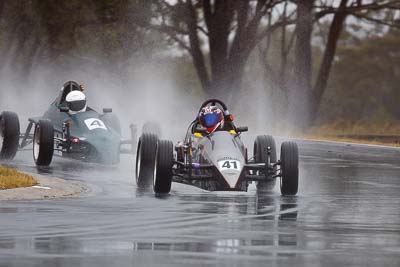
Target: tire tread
<point>290,168</point>
<point>146,150</point>
<point>11,135</point>
<point>165,159</point>
<point>46,148</point>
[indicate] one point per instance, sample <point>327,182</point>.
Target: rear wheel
<point>9,135</point>
<point>43,143</point>
<point>145,158</point>
<point>289,168</point>
<point>151,127</point>
<point>163,167</point>
<point>261,145</point>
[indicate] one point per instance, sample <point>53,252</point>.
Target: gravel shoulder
<point>47,188</point>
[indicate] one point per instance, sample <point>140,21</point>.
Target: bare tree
<point>20,36</point>
<point>307,91</point>
<point>64,33</point>
<point>329,53</point>
<point>300,93</point>
<point>361,9</point>
<point>1,8</point>
<point>219,36</point>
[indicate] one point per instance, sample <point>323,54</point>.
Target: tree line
<point>295,41</point>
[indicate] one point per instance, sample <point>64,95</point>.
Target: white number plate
<point>95,124</point>
<point>229,165</point>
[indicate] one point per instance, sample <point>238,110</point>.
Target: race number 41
<point>229,165</point>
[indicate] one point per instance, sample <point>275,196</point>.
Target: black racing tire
<point>145,159</point>
<point>43,143</point>
<point>163,167</point>
<point>9,135</point>
<point>151,127</point>
<point>289,168</point>
<point>112,121</point>
<point>261,144</point>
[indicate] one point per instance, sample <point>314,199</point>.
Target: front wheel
<point>145,158</point>
<point>163,167</point>
<point>43,143</point>
<point>289,168</point>
<point>9,135</point>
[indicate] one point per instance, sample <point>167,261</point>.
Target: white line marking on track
<point>41,187</point>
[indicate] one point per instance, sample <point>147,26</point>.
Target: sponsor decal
<point>95,124</point>
<point>227,158</point>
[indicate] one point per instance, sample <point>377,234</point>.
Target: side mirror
<point>64,109</point>
<point>242,129</point>
<point>107,110</point>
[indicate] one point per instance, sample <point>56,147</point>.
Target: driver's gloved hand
<point>229,117</point>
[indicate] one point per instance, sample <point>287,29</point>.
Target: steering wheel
<point>213,102</point>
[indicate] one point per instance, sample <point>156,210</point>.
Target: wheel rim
<point>138,161</point>
<point>1,134</point>
<point>36,143</point>
<point>282,175</point>
<point>1,140</point>
<point>155,169</point>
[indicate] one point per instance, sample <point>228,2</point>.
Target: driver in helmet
<point>76,102</point>
<point>212,119</point>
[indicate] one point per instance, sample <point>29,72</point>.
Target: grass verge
<point>353,139</point>
<point>10,178</point>
<point>379,133</point>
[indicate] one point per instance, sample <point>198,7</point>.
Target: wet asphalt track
<point>347,213</point>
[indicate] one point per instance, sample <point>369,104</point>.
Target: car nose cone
<point>231,177</point>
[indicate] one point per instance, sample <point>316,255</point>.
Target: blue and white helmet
<point>76,102</point>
